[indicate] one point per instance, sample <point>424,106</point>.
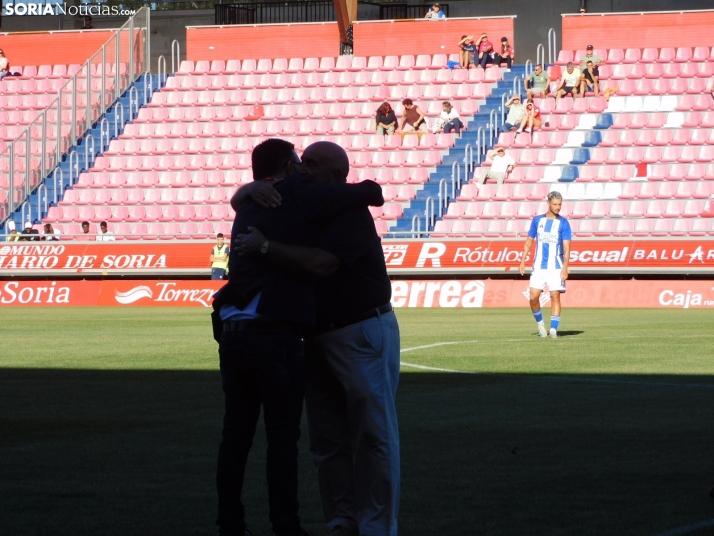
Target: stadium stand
<point>192,143</point>
<point>640,162</point>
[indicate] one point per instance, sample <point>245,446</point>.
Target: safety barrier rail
<point>79,104</point>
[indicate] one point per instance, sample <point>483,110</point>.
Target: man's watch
<point>264,247</point>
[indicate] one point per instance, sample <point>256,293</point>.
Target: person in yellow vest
<point>219,258</point>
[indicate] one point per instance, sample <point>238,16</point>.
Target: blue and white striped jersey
<point>549,236</point>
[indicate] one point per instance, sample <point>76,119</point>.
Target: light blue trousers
<point>352,377</point>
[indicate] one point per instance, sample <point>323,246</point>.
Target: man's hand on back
<point>249,244</point>
<point>262,192</point>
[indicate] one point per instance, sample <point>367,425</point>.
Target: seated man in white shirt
<point>501,166</point>
<point>569,82</point>
<point>104,235</point>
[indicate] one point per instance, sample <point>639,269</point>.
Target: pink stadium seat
<point>683,54</point>
<point>666,55</point>
<point>441,229</point>
<point>705,70</point>
<point>693,208</point>
<point>700,227</point>
<point>618,209</point>
<point>616,55</point>
<point>564,56</point>
<point>496,228</point>
<point>605,228</point>
<point>586,228</point>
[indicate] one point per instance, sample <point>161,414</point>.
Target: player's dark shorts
<point>218,273</point>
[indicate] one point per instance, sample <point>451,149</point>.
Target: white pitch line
<point>535,376</point>
<point>688,528</point>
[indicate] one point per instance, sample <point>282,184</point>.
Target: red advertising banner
<point>580,293</point>
<point>405,294</point>
<point>103,256</point>
<point>109,293</point>
<point>612,255</point>
<point>402,256</point>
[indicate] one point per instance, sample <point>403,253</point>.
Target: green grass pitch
<point>110,421</point>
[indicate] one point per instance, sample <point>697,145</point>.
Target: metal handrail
<point>551,51</point>
<point>133,101</point>
<point>540,54</point>
<point>481,141</point>
<point>70,92</point>
<point>102,124</point>
<point>40,189</point>
<point>148,89</point>
<point>119,106</point>
<point>503,107</point>
<point>493,127</point>
<point>517,85</point>
<point>54,182</point>
<point>529,68</point>
<point>455,177</point>
<point>23,218</point>
<point>161,62</point>
<point>73,166</point>
<point>175,59</point>
<point>89,138</point>
<point>443,196</point>
<point>418,227</point>
<point>430,219</point>
<point>468,162</point>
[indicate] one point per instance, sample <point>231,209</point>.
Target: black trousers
<point>454,125</point>
<point>261,368</point>
<point>498,59</point>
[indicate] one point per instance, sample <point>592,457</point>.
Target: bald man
<point>352,365</point>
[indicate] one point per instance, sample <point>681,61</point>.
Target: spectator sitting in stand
<point>568,83</point>
<point>448,120</point>
<point>413,118</point>
<point>104,234</point>
<point>435,13</point>
<point>4,65</point>
<point>28,234</point>
<point>531,119</point>
<point>485,49</point>
<point>591,56</point>
<point>516,111</point>
<point>87,23</point>
<point>13,236</point>
<point>467,54</point>
<point>505,53</point>
<point>537,83</point>
<point>50,233</point>
<point>501,166</point>
<point>386,120</point>
<point>590,79</point>
<point>85,227</point>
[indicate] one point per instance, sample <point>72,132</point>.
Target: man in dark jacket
<point>266,307</point>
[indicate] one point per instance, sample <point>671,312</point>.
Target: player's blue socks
<point>538,315</point>
<point>554,322</point>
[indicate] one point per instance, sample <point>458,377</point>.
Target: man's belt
<point>366,315</point>
<point>255,325</point>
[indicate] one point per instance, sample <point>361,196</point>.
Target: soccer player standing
<point>550,264</point>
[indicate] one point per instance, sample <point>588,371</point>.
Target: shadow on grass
<point>569,333</point>
<point>133,453</point>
